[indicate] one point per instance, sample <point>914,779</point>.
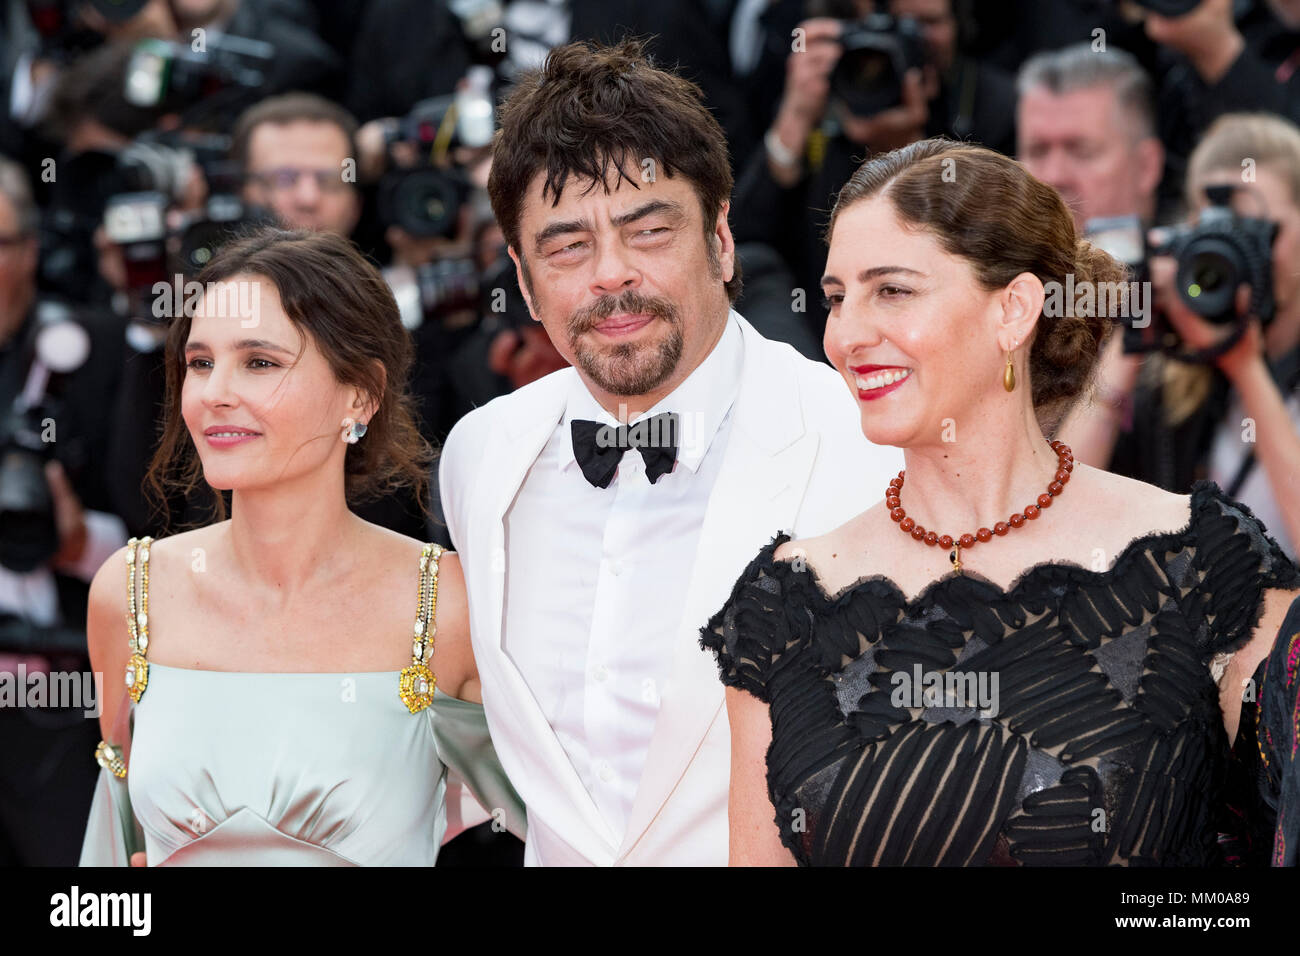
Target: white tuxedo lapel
<point>765,470</point>
<point>532,747</point>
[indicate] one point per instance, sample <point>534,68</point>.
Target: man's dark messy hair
<point>593,108</point>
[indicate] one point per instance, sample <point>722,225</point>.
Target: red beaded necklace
<point>1064,465</point>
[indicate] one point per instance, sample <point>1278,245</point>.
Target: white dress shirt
<point>595,577</point>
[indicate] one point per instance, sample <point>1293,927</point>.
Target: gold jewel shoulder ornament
<point>417,681</point>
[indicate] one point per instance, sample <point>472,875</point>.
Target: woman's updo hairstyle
<point>988,209</point>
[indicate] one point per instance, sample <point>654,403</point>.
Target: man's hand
<point>137,859</point>
<point>1207,36</point>
<point>808,71</point>
<point>1198,334</point>
<point>524,356</point>
<point>807,87</point>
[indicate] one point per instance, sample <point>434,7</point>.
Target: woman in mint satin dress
<point>281,702</point>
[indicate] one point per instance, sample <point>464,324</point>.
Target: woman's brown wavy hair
<point>331,293</point>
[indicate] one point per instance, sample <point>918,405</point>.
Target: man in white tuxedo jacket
<point>593,554</point>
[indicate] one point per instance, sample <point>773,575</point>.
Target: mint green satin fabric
<point>239,769</point>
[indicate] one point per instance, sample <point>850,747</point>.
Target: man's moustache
<point>588,320</point>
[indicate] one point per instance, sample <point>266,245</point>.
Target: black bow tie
<point>599,447</point>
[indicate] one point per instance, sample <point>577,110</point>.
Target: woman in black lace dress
<point>1055,673</point>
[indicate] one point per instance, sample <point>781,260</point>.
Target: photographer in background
<point>1086,126</point>
<point>1228,409</point>
<point>57,378</point>
<point>302,59</point>
<point>853,87</point>
<point>292,150</point>
<point>41,39</point>
<point>92,123</point>
<point>425,46</point>
<point>1222,56</point>
<point>451,275</point>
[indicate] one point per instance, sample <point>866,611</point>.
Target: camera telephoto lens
<point>878,50</point>
<point>424,202</point>
<point>1208,279</point>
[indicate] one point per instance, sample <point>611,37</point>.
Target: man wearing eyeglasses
<point>298,154</point>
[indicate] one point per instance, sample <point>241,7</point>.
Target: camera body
<point>29,534</point>
<point>426,200</point>
<point>878,50</point>
<point>208,85</point>
<point>157,242</point>
<point>1214,256</point>
<point>433,290</point>
<point>207,88</point>
<point>1220,252</point>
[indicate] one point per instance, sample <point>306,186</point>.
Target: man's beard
<point>627,368</point>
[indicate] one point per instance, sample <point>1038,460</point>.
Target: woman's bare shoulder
<point>1140,506</point>
<point>191,548</point>
<point>830,544</point>
<point>397,553</point>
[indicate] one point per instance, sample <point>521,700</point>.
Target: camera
<point>432,290</point>
<point>87,183</point>
<point>152,172</point>
<point>158,242</point>
<point>208,85</point>
<point>878,50</point>
<point>1125,239</point>
<point>426,200</point>
<point>29,534</point>
<point>1213,256</point>
<point>1219,253</point>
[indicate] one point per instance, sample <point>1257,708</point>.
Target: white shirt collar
<point>701,402</point>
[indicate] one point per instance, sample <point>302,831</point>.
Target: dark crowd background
<point>137,134</point>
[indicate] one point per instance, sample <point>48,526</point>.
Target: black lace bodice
<point>1106,745</point>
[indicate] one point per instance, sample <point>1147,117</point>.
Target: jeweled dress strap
<point>108,755</point>
<point>137,616</point>
<point>417,682</point>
